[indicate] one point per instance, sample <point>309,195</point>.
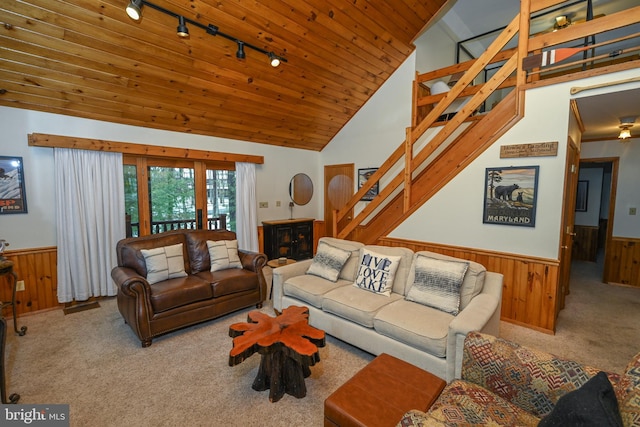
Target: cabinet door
<point>303,241</point>
<point>284,242</point>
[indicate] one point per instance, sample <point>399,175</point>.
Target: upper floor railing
<point>542,58</point>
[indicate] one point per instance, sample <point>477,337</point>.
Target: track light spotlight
<point>134,9</point>
<point>240,53</point>
<point>183,31</point>
<point>273,60</point>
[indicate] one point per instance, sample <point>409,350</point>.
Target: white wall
<point>37,227</point>
<point>627,191</point>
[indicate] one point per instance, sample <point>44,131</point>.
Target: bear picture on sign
<point>510,195</point>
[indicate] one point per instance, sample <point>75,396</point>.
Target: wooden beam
<point>44,140</point>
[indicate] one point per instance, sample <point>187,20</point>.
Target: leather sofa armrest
<point>129,281</point>
<point>252,261</point>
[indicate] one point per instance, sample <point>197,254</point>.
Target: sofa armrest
<point>531,379</point>
<point>130,282</point>
<point>482,314</point>
<point>284,273</point>
<point>252,261</point>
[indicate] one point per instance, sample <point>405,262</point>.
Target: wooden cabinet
<point>290,238</point>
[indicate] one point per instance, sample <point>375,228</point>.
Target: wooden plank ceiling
<point>87,58</point>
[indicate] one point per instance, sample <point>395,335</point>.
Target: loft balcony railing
<point>217,223</point>
<point>513,70</point>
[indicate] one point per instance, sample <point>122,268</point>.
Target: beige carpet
<point>92,361</point>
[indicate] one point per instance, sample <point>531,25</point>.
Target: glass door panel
<point>221,199</point>
<point>171,198</point>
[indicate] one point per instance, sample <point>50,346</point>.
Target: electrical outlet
<point>263,204</point>
<point>20,285</point>
<point>278,203</point>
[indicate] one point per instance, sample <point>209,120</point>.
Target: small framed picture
<point>582,195</point>
<point>363,176</point>
<point>13,198</point>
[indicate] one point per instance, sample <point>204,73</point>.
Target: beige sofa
<point>420,334</point>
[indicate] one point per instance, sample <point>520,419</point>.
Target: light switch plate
<point>263,204</point>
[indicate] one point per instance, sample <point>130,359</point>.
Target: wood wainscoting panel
<point>38,268</point>
<point>530,289</point>
<point>622,261</point>
<point>585,243</point>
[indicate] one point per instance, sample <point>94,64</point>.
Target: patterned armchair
<point>504,383</point>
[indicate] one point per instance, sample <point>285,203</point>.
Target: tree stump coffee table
<point>288,345</point>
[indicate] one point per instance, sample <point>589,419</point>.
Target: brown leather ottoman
<point>380,394</point>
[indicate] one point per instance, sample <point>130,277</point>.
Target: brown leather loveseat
<point>198,295</point>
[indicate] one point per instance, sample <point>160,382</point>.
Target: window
<point>168,194</point>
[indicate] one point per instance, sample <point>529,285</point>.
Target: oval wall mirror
<point>301,189</point>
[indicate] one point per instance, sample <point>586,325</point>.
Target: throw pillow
<point>593,404</point>
<point>328,261</point>
<point>437,283</point>
<point>164,263</point>
<point>223,254</point>
<point>376,272</point>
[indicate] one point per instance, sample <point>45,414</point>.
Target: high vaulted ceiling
<point>87,58</point>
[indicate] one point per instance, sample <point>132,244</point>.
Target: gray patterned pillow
<point>164,263</point>
<point>328,262</point>
<point>437,283</point>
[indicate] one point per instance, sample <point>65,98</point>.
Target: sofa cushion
<point>166,262</point>
<point>356,304</point>
<point>350,267</point>
<point>328,261</point>
<point>174,293</point>
<point>462,403</point>
<point>310,289</point>
<point>230,281</point>
<point>437,283</point>
<point>473,280</point>
<point>376,272</point>
<point>628,393</point>
<point>223,254</point>
<point>419,326</point>
<point>197,246</point>
<point>593,404</point>
<point>402,273</point>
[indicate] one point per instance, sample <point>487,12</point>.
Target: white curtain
<point>90,221</point>
<point>246,202</point>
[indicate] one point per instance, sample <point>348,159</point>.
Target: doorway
<point>594,215</point>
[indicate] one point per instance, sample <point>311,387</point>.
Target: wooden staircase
<point>426,163</point>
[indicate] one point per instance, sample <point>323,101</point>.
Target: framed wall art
<point>363,176</point>
<point>13,198</point>
<point>582,194</point>
<point>510,195</point>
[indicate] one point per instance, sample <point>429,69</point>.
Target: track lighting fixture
<point>183,31</point>
<point>134,10</point>
<point>240,53</point>
<point>273,60</point>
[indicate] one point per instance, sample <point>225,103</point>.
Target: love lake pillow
<point>223,254</point>
<point>328,261</point>
<point>164,263</point>
<point>376,272</point>
<point>437,283</point>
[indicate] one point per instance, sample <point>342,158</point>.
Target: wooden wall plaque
<point>537,149</point>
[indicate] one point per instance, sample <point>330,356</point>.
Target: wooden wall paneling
<point>38,268</point>
<point>622,262</point>
<point>529,294</point>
